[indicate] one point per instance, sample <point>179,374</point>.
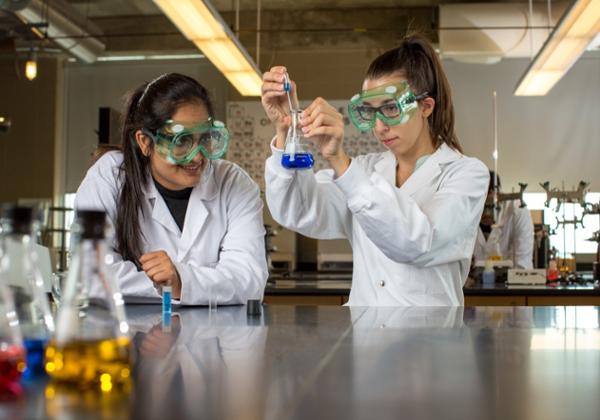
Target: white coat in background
<point>513,234</point>
<point>221,248</point>
<point>411,245</point>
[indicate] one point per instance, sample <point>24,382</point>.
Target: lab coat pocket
<point>408,281</point>
<point>432,285</point>
<point>415,281</point>
<point>202,257</point>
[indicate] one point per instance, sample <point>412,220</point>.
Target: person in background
<point>410,213</point>
<point>511,236</point>
<point>180,215</point>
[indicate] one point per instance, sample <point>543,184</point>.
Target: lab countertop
<point>339,284</point>
<point>327,362</point>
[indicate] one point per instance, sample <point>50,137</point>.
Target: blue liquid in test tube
<point>166,308</point>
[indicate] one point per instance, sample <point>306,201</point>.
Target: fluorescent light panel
<point>61,27</point>
<point>149,57</point>
<point>201,23</point>
<point>573,33</point>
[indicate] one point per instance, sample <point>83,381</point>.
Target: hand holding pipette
<point>277,100</point>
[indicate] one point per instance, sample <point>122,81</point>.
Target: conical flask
<point>91,346</point>
<point>296,154</point>
<point>12,352</point>
<point>20,271</point>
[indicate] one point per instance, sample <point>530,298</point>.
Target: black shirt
<point>177,202</point>
<point>486,230</point>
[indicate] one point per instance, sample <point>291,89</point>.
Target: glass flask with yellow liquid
<point>20,271</point>
<point>91,346</point>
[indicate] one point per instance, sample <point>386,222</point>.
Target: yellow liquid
<point>89,363</point>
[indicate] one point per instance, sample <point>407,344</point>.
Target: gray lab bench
<point>327,362</point>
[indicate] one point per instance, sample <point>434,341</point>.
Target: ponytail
<point>419,63</point>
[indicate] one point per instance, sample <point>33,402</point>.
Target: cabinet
<point>470,300</point>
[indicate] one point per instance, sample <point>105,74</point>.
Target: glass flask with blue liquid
<point>296,154</point>
<point>19,269</point>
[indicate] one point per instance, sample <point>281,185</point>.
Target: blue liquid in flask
<point>300,161</point>
<point>35,350</point>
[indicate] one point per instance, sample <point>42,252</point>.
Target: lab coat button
<point>381,283</point>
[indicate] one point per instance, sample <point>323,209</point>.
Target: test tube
<point>166,308</point>
<point>212,301</point>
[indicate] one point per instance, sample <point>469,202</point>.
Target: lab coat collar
<point>160,211</point>
<point>196,213</point>
<point>424,174</point>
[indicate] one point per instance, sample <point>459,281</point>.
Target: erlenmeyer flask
<point>21,273</point>
<point>91,346</point>
<point>296,154</point>
<point>12,353</point>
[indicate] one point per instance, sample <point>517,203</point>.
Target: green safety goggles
<point>398,105</point>
<point>179,143</point>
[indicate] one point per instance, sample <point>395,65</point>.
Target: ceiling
<point>105,8</point>
<point>139,26</point>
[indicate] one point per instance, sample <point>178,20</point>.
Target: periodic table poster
<point>252,132</point>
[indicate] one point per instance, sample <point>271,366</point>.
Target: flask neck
<point>91,254</point>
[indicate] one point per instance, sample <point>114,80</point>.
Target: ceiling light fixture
<point>569,39</point>
<point>202,24</point>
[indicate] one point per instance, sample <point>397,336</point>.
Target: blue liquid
<point>166,302</point>
<point>35,349</point>
<point>301,161</point>
<point>166,310</point>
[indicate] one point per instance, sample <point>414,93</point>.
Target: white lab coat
<point>222,243</point>
<point>513,233</point>
<point>411,245</point>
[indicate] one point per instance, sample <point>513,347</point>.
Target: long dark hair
<point>147,107</point>
<point>419,63</point>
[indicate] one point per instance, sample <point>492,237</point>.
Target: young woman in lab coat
<point>180,215</point>
<point>410,213</point>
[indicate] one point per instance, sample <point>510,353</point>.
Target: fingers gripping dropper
<point>287,87</point>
